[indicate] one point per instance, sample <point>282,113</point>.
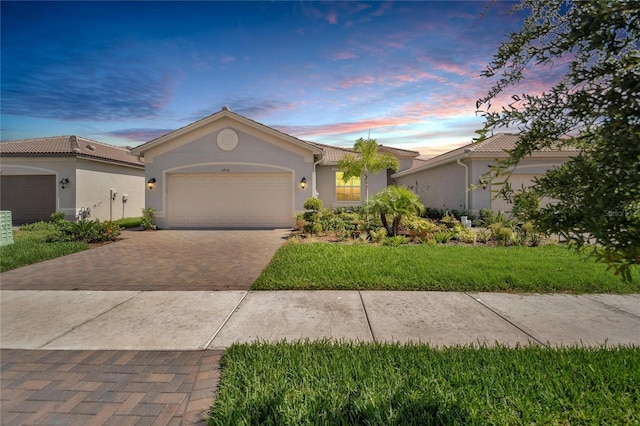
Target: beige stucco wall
<point>441,187</point>
<point>253,154</point>
<point>89,183</point>
<point>93,182</point>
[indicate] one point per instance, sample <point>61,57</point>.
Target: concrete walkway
<point>169,321</point>
<point>141,358</point>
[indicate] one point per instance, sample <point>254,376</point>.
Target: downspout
<point>467,152</point>
<point>314,192</point>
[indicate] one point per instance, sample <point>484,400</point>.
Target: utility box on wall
<point>6,232</point>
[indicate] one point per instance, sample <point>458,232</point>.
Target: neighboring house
<point>69,174</point>
<point>444,181</point>
<point>228,171</point>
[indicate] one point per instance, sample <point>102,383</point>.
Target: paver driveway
<point>163,260</point>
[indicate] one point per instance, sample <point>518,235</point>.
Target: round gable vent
<point>227,140</point>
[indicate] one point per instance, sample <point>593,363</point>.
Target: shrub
<point>449,221</point>
<point>443,236</point>
<point>395,241</point>
<point>501,233</point>
<point>377,235</point>
<point>87,231</point>
<point>313,203</point>
<point>148,218</point>
<point>483,235</point>
<point>487,217</point>
<point>464,235</point>
<point>419,228</point>
<point>57,216</point>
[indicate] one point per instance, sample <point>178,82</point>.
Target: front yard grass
<point>31,247</point>
<point>324,266</point>
<point>368,383</point>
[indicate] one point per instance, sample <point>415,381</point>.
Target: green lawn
<point>322,383</point>
<point>315,266</point>
<point>30,247</point>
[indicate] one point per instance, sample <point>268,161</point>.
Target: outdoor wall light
<point>483,182</point>
<point>64,182</point>
<point>151,183</point>
<point>303,183</point>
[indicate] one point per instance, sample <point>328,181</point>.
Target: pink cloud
<point>343,56</point>
<point>332,18</point>
<point>453,69</point>
<point>358,81</point>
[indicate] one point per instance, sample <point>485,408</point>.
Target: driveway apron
<point>168,260</point>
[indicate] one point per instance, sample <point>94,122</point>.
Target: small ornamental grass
<point>546,269</point>
<point>368,383</point>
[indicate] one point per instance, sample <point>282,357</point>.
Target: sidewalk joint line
<point>88,320</point>
<point>507,320</point>
<point>615,308</point>
<point>224,322</point>
<point>366,316</point>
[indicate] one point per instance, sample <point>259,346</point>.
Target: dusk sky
<point>407,73</point>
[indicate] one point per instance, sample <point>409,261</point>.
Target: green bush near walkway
<point>373,384</point>
<point>547,269</point>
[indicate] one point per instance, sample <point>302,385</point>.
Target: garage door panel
<point>213,200</point>
<point>30,198</point>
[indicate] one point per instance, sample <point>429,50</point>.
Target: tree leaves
<point>595,107</point>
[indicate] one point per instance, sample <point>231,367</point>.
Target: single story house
<point>227,171</point>
<point>70,174</point>
<point>444,181</point>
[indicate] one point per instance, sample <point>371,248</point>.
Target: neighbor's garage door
<point>230,200</point>
<point>30,198</point>
<point>517,182</point>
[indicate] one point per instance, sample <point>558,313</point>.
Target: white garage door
<point>517,182</point>
<point>230,200</point>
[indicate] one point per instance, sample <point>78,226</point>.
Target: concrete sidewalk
<point>194,320</point>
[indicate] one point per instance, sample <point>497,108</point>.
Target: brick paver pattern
<point>107,387</point>
<point>202,260</point>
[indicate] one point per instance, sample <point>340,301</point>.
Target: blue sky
<point>407,73</point>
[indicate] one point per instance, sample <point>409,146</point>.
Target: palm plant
<point>367,161</point>
<point>393,204</point>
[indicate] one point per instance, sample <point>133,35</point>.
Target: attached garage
<point>30,198</point>
<point>245,200</point>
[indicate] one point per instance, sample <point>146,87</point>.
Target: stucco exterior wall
<point>441,187</point>
<point>253,154</point>
<point>482,198</point>
<point>94,181</point>
<point>89,183</point>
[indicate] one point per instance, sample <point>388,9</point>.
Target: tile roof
<point>332,153</point>
<point>399,151</point>
<point>70,146</point>
<point>335,153</point>
<point>498,143</point>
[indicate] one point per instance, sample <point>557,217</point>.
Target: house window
<point>349,190</point>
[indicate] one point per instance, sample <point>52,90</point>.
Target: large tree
<point>595,107</point>
<point>365,162</point>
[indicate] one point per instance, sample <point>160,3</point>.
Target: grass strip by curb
<point>324,266</point>
<point>368,383</point>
